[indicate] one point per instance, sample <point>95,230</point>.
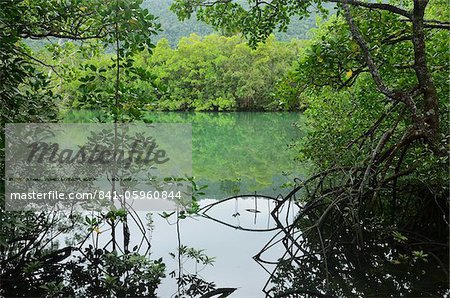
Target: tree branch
<point>380,6</point>
<point>436,24</point>
<point>433,24</point>
<point>39,61</point>
<point>426,85</point>
<point>373,69</point>
<point>59,35</point>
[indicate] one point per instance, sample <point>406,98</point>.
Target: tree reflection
<point>327,253</point>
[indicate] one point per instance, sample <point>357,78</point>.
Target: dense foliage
<point>173,29</point>
<point>213,73</point>
<point>397,216</point>
<point>220,73</point>
<point>33,260</point>
<point>375,80</point>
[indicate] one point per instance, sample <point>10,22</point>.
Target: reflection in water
<point>235,152</point>
<point>322,257</point>
<point>249,213</point>
<point>226,231</point>
<point>242,152</point>
<point>307,250</point>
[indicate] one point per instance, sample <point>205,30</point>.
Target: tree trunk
<point>430,97</point>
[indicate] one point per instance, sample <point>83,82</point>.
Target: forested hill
<point>173,29</point>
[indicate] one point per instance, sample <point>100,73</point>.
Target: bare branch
<point>436,24</point>
<point>59,35</point>
<point>432,24</point>
<point>368,57</point>
<point>39,61</point>
<point>398,39</point>
<point>422,71</point>
<point>380,6</point>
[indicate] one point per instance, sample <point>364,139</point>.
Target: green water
<point>237,153</point>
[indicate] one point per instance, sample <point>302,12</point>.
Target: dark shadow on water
<point>304,260</point>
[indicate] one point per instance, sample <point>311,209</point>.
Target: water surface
<point>242,152</point>
<point>233,154</point>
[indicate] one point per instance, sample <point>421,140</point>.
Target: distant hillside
<point>173,29</point>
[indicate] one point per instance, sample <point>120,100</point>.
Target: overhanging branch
<point>373,69</point>
<point>379,6</point>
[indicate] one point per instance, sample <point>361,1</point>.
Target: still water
<point>236,153</point>
<point>242,152</point>
<point>232,154</point>
<point>233,248</point>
